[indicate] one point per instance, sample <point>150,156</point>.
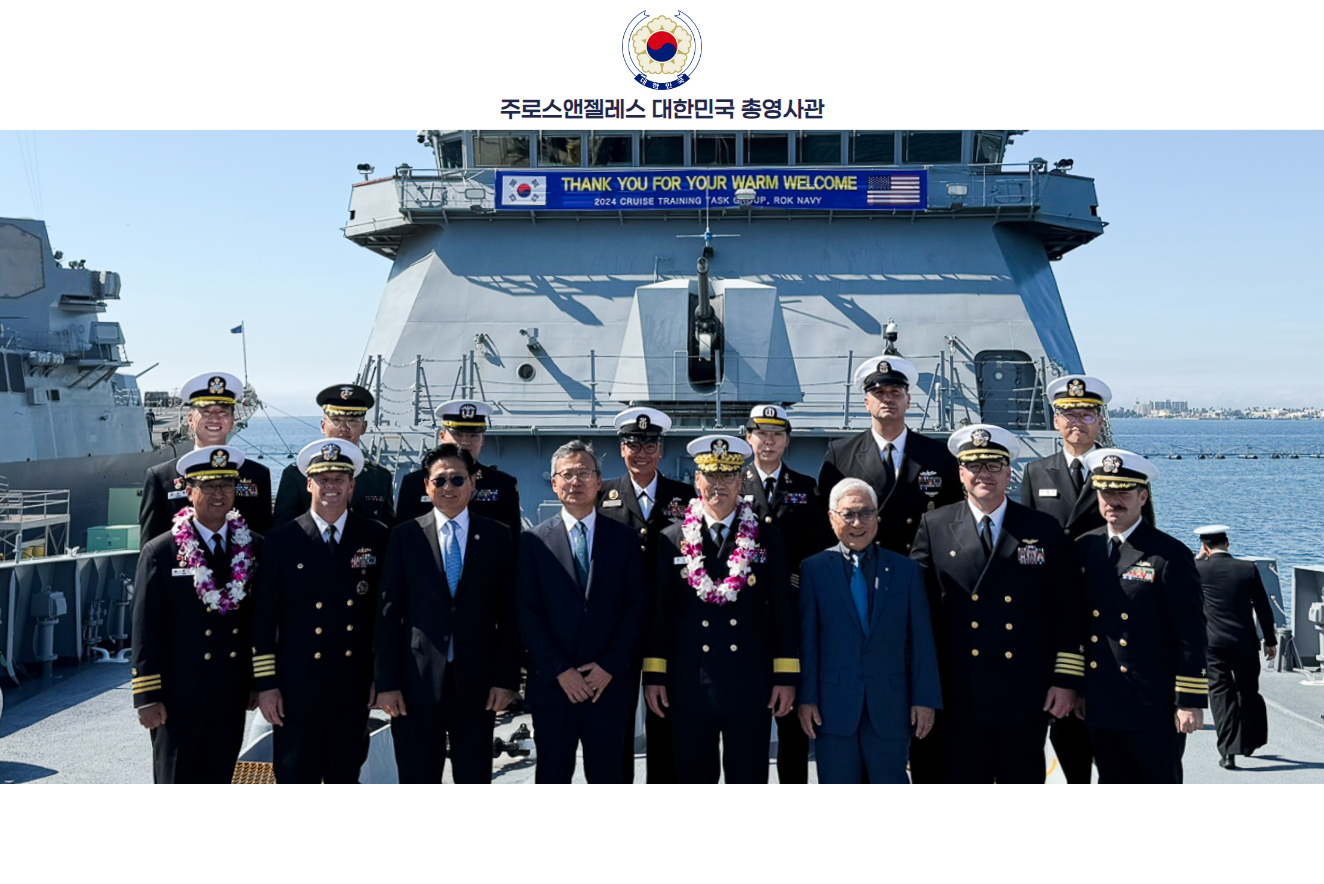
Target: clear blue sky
<point>1202,288</point>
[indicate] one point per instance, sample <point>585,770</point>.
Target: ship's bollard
<point>47,608</point>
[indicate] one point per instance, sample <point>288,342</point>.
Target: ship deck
<point>80,728</point>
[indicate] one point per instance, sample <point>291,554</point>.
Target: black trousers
<point>1240,719</point>
<point>659,753</point>
<point>792,748</point>
<point>976,753</point>
<point>744,737</point>
<point>1071,741</point>
<point>926,755</point>
<point>558,731</point>
<point>1145,756</point>
<point>197,745</point>
<point>421,739</point>
<point>321,742</point>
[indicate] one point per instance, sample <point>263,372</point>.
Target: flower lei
<point>737,564</point>
<point>191,556</point>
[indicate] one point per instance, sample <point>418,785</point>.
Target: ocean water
<point>1270,504</point>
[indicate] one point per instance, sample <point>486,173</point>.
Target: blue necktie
<point>859,591</point>
<point>453,566</point>
<point>580,535</point>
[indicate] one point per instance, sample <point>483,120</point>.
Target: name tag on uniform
<point>1144,573</point>
<point>679,560</point>
<point>749,497</point>
<point>617,502</point>
<point>1048,492</point>
<point>181,572</point>
<point>176,495</point>
<point>425,499</point>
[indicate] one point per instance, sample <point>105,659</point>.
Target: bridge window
<point>768,149</point>
<point>873,148</point>
<point>559,150</point>
<point>452,153</point>
<point>989,147</point>
<point>502,150</point>
<point>611,150</point>
<point>714,150</point>
<point>819,149</point>
<point>931,147</point>
<point>663,150</point>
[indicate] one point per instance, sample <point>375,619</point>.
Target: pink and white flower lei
<point>737,564</point>
<point>191,556</point>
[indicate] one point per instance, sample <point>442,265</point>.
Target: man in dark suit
<point>780,496</point>
<point>869,668</point>
<point>313,624</point>
<point>192,658</point>
<point>447,644</point>
<point>1145,686</point>
<point>463,423</point>
<point>344,416</point>
<point>581,613</point>
<point>1056,485</point>
<point>1234,598</point>
<point>1010,618</point>
<point>645,501</point>
<point>912,474</point>
<point>212,399</point>
<point>721,636</point>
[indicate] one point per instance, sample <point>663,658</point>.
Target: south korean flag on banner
<point>524,190</point>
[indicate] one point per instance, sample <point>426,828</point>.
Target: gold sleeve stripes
<point>146,683</point>
<point>786,664</point>
<point>655,664</point>
<point>1189,685</point>
<point>264,666</point>
<point>1069,664</point>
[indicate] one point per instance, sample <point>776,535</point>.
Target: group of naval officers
<point>900,610</point>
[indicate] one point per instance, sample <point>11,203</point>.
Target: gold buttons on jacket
<point>1008,626</point>
<point>705,649</point>
<point>952,554</point>
<point>1094,638</point>
<point>1009,655</point>
<point>234,631</point>
<point>318,606</point>
<point>734,648</point>
<point>349,653</point>
<point>910,520</point>
<point>349,628</point>
<point>318,631</point>
<point>975,597</point>
<point>317,655</point>
<point>1094,665</point>
<point>1123,668</point>
<point>1007,599</point>
<point>705,624</point>
<point>974,624</point>
<point>733,621</point>
<point>974,652</point>
<point>768,519</point>
<point>349,603</point>
<point>233,654</point>
<point>206,656</point>
<point>1126,616</point>
<point>643,532</point>
<point>1096,613</point>
<point>1122,642</point>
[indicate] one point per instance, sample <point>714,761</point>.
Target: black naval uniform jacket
<point>1009,628</point>
<point>418,618</point>
<point>496,496</point>
<point>618,502</point>
<point>372,494</point>
<point>797,509</point>
<point>1232,589</point>
<point>1146,647</point>
<point>927,480</point>
<point>313,620</point>
<point>1047,487</point>
<point>722,659</point>
<point>185,656</point>
<point>164,494</point>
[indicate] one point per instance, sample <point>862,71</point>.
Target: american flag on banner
<point>894,190</point>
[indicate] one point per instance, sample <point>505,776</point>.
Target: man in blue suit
<point>869,668</point>
<point>580,600</point>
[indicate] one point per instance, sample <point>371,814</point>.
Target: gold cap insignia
<point>330,451</point>
<point>468,412</point>
<point>1075,388</point>
<point>980,438</point>
<point>1112,463</point>
<point>220,458</point>
<point>884,365</point>
<point>216,386</point>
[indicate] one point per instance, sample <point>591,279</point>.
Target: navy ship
<point>562,276</point>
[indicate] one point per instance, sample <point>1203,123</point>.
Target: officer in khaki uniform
<point>1146,685</point>
<point>721,638</point>
<point>463,423</point>
<point>646,501</point>
<point>344,416</point>
<point>790,500</point>
<point>313,624</point>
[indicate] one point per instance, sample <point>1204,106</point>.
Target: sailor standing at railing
<point>344,416</point>
<point>211,398</point>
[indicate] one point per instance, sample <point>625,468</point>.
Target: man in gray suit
<point>869,668</point>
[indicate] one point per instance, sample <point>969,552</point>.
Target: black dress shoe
<point>1228,762</point>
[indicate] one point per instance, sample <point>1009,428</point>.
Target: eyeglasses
<point>575,475</point>
<point>213,489</point>
<point>989,466</point>
<point>852,516</point>
<point>1078,417</point>
<point>645,447</point>
<point>721,478</point>
<point>345,423</point>
<point>440,481</point>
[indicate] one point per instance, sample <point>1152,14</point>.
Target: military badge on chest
<point>795,498</point>
<point>363,559</point>
<point>1029,554</point>
<point>676,509</point>
<point>486,495</point>
<point>1141,571</point>
<point>245,488</point>
<point>178,491</point>
<point>930,483</point>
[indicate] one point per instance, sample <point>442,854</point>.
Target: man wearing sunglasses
<point>1008,618</point>
<point>646,502</point>
<point>344,416</point>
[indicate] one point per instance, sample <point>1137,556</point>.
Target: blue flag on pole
<point>238,329</point>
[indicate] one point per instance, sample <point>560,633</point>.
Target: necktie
<point>217,546</point>
<point>331,537</point>
<point>1077,475</point>
<point>986,535</point>
<point>769,487</point>
<point>719,533</point>
<point>579,534</point>
<point>1114,550</point>
<point>453,561</point>
<point>645,504</point>
<point>859,591</point>
<point>889,468</point>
